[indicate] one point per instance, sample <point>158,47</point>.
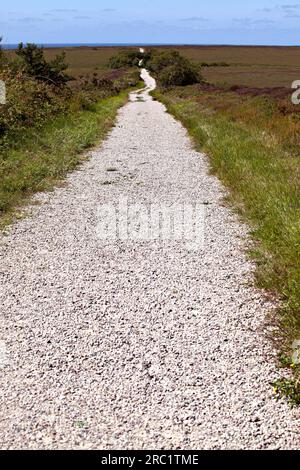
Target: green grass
<point>46,155</point>
<point>261,168</point>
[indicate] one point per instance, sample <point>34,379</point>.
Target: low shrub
<point>129,58</point>
<point>214,64</point>
<point>178,75</point>
<point>172,69</point>
<point>48,121</point>
<point>125,58</point>
<point>34,64</point>
<point>32,101</point>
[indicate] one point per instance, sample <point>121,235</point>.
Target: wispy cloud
<point>295,6</point>
<point>82,18</point>
<point>193,19</point>
<point>291,11</point>
<point>265,10</point>
<point>287,7</point>
<point>253,21</point>
<point>242,20</point>
<point>64,10</point>
<point>263,21</point>
<point>29,19</point>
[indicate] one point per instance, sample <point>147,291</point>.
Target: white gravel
<point>135,345</point>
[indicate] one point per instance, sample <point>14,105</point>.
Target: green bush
<point>128,58</point>
<point>35,65</point>
<point>46,122</point>
<point>32,102</point>
<point>169,67</point>
<point>177,75</point>
<point>172,69</point>
<point>29,103</point>
<point>125,58</point>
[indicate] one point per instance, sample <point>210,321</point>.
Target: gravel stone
<point>137,344</point>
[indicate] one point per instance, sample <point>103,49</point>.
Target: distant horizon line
<point>139,44</point>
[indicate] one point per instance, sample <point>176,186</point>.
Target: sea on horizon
<point>54,45</point>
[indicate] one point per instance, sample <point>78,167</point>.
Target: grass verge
<point>254,150</point>
<point>44,156</point>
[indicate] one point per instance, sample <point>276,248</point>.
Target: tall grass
<point>47,122</point>
<point>254,148</point>
<point>44,156</point>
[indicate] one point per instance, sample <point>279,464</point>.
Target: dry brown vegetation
<point>248,65</point>
<point>82,60</point>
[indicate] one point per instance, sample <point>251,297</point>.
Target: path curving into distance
<point>139,343</point>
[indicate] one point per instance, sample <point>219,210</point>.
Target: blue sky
<point>151,21</point>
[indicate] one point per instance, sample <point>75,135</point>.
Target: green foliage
<point>35,65</point>
<point>285,361</point>
<point>41,156</point>
<point>46,122</point>
<point>129,58</point>
<point>178,75</point>
<point>125,58</point>
<point>288,388</point>
<point>169,67</point>
<point>129,79</point>
<point>31,102</point>
<point>44,127</point>
<point>172,69</point>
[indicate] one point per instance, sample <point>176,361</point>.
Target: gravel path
<point>135,344</point>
